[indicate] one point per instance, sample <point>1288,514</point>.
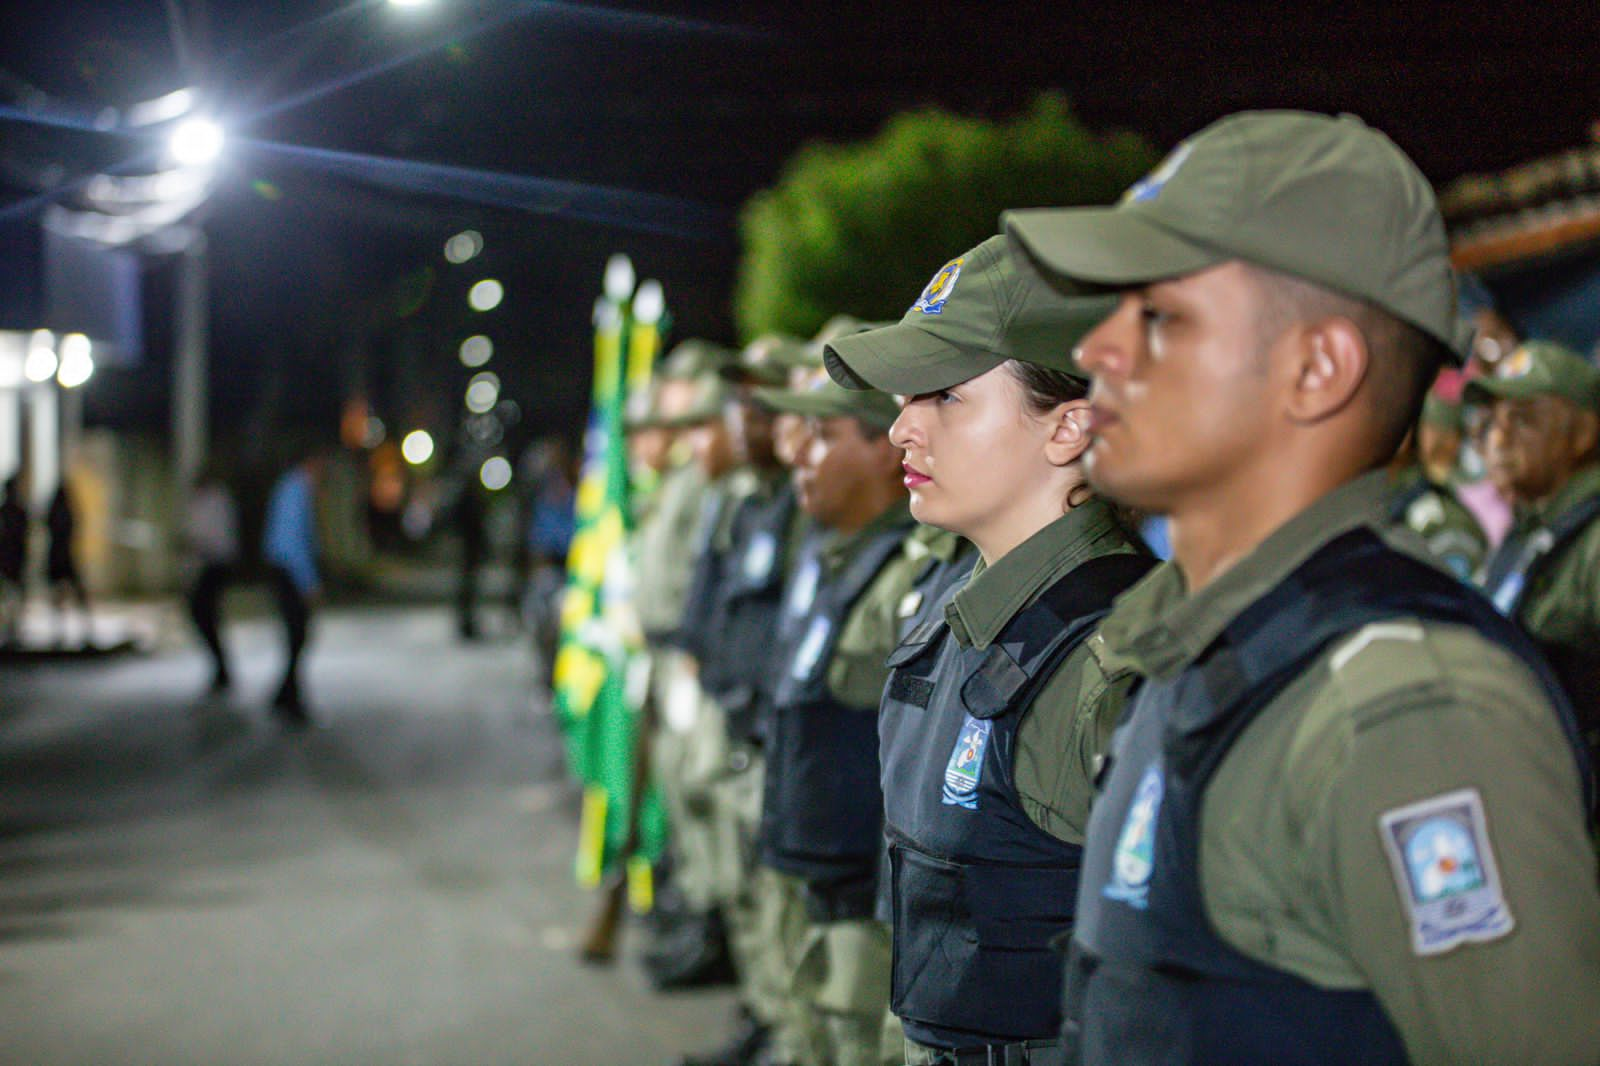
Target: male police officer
<point>1344,818</point>
<point>822,812</point>
<point>1543,451</point>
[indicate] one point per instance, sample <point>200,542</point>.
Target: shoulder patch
<point>1445,871</point>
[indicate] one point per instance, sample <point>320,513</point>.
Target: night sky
<point>327,270</point>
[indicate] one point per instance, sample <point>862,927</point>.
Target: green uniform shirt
<point>1069,722</point>
<point>1293,865</point>
<point>1452,535</point>
<point>1561,605</point>
<point>664,547</point>
<point>857,673</point>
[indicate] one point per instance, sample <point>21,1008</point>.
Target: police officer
<point>729,618</point>
<point>1428,506</point>
<point>1542,445</point>
<point>686,750</point>
<point>996,706</point>
<point>822,811</point>
<point>1343,820</point>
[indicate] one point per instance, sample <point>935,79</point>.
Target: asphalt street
<point>182,881</point>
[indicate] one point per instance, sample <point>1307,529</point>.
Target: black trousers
<point>205,608</point>
<point>296,616</point>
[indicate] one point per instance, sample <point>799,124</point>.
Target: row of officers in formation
<point>970,777</point>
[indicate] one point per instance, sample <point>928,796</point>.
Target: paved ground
<point>182,882</point>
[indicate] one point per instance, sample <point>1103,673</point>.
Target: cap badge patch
<point>1445,871</point>
<point>1149,187</point>
<point>1519,364</point>
<point>933,298</point>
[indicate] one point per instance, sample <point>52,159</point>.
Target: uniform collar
<point>1584,483</point>
<point>840,548</point>
<point>996,594</point>
<point>1161,628</point>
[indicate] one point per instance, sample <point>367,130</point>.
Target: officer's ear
<point>1585,434</point>
<point>1327,361</point>
<point>1069,432</point>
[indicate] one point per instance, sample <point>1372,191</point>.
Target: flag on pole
<point>600,670</point>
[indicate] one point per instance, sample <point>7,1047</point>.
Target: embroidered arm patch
<point>1445,871</point>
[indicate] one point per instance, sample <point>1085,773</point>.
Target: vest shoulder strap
<point>1269,645</point>
<point>1040,636</point>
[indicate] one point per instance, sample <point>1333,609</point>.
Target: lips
<point>913,476</point>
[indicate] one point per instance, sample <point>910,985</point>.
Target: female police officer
<point>996,706</point>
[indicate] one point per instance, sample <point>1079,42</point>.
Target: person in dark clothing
<point>13,558</point>
<point>211,542</point>
<point>471,524</point>
<point>61,567</point>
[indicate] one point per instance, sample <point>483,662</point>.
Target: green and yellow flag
<point>600,670</point>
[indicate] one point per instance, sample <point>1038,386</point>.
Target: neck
<point>1001,536</point>
<point>1212,533</point>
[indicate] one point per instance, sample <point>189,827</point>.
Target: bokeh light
<point>77,362</point>
<point>463,246</point>
<point>486,295</point>
<point>495,473</point>
<point>476,350</point>
<point>483,392</point>
<point>417,447</point>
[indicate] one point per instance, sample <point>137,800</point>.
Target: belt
<point>1021,1053</point>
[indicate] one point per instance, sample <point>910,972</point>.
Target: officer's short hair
<point>1402,360</point>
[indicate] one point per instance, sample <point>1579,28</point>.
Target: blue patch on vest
<point>759,556</point>
<point>965,768</point>
<point>803,590</point>
<point>1510,591</point>
<point>1134,860</point>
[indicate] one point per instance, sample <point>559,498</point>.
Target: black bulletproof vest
<point>1517,564</point>
<point>709,566</point>
<point>822,819</point>
<point>1150,981</point>
<point>734,668</point>
<point>977,890</point>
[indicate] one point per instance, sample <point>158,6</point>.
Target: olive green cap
<point>693,357</point>
<point>1438,411</point>
<point>768,359</point>
<point>711,394</point>
<point>981,309</point>
<point>823,398</point>
<point>1328,200</point>
<point>1540,368</point>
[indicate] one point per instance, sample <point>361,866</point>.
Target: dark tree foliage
<point>860,228</point>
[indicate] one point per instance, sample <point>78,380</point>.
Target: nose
<point>1107,350</point>
<point>905,429</point>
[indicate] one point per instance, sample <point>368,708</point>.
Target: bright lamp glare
<point>77,364</point>
<point>409,3</point>
<point>476,350</point>
<point>40,365</point>
<point>495,473</point>
<point>417,447</point>
<point>196,142</point>
<point>486,295</point>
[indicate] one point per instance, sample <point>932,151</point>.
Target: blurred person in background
<point>13,558</point>
<point>1426,504</point>
<point>1542,444</point>
<point>289,546</point>
<point>469,516</point>
<point>211,550</point>
<point>62,577</point>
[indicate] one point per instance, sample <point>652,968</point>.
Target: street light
<point>196,142</point>
<point>417,447</point>
<point>41,363</point>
